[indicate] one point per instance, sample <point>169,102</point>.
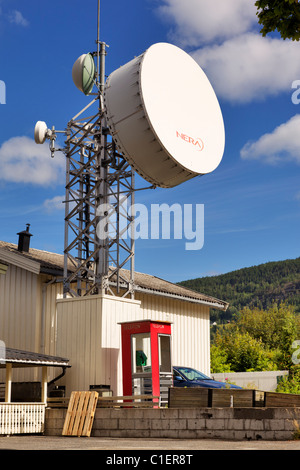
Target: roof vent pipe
<point>24,240</point>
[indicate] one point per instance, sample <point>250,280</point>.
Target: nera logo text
<point>197,142</point>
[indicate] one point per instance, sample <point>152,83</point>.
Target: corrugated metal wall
<point>18,311</point>
<point>190,328</point>
<point>89,335</point>
<point>114,312</point>
<point>28,315</point>
<point>49,292</point>
<point>88,332</point>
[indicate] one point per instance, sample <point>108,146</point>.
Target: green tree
<point>243,352</point>
<point>258,340</point>
<point>219,360</point>
<point>290,383</point>
<point>276,328</point>
<point>258,286</point>
<point>280,15</point>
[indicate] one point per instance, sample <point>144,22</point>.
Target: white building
<point>35,317</point>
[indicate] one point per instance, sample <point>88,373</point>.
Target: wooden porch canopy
<point>15,358</point>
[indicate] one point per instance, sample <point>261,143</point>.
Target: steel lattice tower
<point>98,243</point>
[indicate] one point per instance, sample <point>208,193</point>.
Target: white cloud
<point>250,67</point>
<point>16,17</point>
<point>23,161</point>
<point>223,38</point>
<point>54,204</point>
<point>283,144</point>
<point>197,21</point>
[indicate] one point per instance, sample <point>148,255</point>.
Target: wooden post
<point>8,383</point>
<point>44,384</point>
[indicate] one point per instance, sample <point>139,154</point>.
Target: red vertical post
<point>126,362</point>
<point>154,361</point>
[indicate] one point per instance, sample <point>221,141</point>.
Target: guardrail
<point>209,397</point>
<point>194,398</point>
<point>132,401</point>
<point>22,418</point>
<point>223,398</point>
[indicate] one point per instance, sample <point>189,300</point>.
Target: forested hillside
<point>257,286</point>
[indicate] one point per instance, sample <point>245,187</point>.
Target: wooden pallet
<point>80,414</point>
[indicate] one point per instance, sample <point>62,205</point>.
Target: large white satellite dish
<point>164,116</point>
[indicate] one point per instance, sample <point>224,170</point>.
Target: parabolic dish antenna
<point>164,116</point>
<point>83,73</point>
<point>40,132</point>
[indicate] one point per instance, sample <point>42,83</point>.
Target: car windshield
<point>192,374</point>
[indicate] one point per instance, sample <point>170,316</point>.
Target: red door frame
<point>155,328</point>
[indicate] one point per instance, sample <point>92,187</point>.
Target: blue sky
<point>251,201</point>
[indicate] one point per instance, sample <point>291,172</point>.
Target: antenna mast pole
<point>98,43</point>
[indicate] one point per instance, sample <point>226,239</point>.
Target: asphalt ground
<point>116,446</point>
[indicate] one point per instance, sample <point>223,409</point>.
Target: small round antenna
<point>40,132</point>
<point>84,73</point>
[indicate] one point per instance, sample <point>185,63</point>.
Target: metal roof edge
<point>18,259</point>
<point>213,304</point>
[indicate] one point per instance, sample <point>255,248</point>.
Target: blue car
<point>188,377</point>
